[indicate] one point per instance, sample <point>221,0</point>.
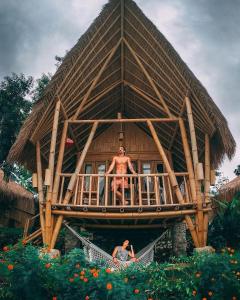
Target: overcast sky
<point>206,34</point>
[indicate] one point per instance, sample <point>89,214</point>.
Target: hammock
<point>93,253</point>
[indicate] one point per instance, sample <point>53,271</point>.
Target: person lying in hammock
<point>120,253</point>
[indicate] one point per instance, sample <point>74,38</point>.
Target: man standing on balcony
<point>122,162</point>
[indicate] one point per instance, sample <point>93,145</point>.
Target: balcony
<point>144,193</point>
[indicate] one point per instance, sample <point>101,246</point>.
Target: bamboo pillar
<point>207,168</point>
<point>73,182</point>
<point>59,162</point>
<point>51,168</point>
<point>173,181</point>
<point>40,190</point>
<point>206,184</point>
<point>195,163</point>
<point>188,159</point>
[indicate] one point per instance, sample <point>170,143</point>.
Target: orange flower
<point>81,277</point>
<point>10,267</point>
<point>82,273</point>
<point>108,270</point>
<point>109,286</point>
<point>136,291</point>
<point>85,279</point>
<point>77,266</point>
<point>210,293</point>
<point>198,274</point>
<point>48,265</point>
<point>24,242</point>
<point>5,248</point>
<point>95,274</point>
<point>71,279</point>
<point>204,298</point>
<point>194,293</point>
<point>234,298</point>
<point>92,270</point>
<point>232,250</point>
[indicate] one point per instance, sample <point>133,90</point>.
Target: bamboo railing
<point>99,190</point>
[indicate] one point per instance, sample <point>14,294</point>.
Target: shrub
<point>23,275</point>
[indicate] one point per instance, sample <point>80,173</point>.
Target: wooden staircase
<point>36,235</point>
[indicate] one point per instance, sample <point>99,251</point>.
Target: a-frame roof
<point>124,64</point>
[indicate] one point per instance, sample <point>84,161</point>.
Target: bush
<point>23,275</point>
<point>9,235</point>
<point>224,231</point>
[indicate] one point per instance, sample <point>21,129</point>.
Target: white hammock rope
<point>94,253</point>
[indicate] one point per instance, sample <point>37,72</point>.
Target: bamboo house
<point>124,84</point>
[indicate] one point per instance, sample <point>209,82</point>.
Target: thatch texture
<point>16,202</point>
<point>229,190</point>
<point>170,74</point>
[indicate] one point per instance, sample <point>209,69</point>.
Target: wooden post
<point>188,159</point>
<point>51,168</point>
<point>195,163</point>
<point>206,184</point>
<point>207,168</point>
<point>40,190</point>
<point>72,183</point>
<point>59,162</point>
<point>173,181</point>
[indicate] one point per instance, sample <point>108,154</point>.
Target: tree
<point>237,171</point>
<point>17,95</point>
<point>41,84</point>
<point>15,105</point>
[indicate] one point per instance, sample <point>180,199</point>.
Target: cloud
<point>32,32</point>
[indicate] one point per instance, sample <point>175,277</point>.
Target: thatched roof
<point>230,189</point>
<point>169,73</point>
<point>12,191</point>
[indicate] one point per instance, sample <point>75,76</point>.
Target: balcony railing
<point>141,190</point>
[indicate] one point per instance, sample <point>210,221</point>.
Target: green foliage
<point>225,227</point>
<point>41,84</point>
<point>14,108</point>
<point>25,275</point>
<point>237,170</point>
<point>9,235</point>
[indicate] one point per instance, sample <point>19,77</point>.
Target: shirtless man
<point>122,162</point>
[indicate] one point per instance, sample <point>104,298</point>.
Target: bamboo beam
<point>192,132</point>
<point>188,158</point>
<point>122,53</point>
<point>59,162</point>
<point>173,181</point>
<point>40,189</point>
<point>206,185</point>
<point>177,126</point>
<point>207,168</point>
<point>124,120</point>
<point>72,183</point>
<point>149,79</point>
<point>51,168</point>
<point>195,163</point>
<point>96,80</point>
<point>167,61</point>
<point>149,99</point>
<point>129,215</point>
